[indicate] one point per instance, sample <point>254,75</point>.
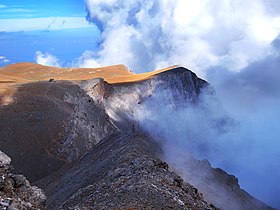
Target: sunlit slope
<point>30,72</point>
<point>136,77</point>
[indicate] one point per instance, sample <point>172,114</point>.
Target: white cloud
<point>86,61</point>
<point>197,34</point>
<point>2,6</point>
<point>46,59</point>
<point>4,60</point>
<point>47,23</point>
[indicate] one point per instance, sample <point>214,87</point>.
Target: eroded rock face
<point>16,191</point>
<point>88,123</point>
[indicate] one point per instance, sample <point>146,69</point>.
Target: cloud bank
<point>252,97</point>
<point>197,34</point>
<point>46,59</point>
<point>247,146</point>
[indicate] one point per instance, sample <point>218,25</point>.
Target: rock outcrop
<point>16,193</point>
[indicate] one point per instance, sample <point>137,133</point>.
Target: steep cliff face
<point>89,124</point>
<point>122,101</point>
<point>87,143</point>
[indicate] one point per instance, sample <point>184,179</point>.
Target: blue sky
<point>52,26</point>
<point>34,9</point>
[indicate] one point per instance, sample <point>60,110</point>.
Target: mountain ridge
<point>69,133</point>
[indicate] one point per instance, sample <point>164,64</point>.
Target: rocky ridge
<point>121,171</point>
<point>95,153</point>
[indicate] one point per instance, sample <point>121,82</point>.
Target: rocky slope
<point>15,191</point>
<point>84,144</point>
<point>221,189</point>
<point>121,171</point>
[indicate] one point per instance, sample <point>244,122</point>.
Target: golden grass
<point>30,72</point>
<point>137,77</point>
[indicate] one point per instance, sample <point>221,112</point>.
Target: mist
<point>233,45</point>
<point>252,98</point>
<point>245,145</point>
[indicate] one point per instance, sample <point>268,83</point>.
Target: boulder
<point>16,191</point>
<point>4,159</point>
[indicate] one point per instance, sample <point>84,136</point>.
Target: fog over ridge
<point>233,44</point>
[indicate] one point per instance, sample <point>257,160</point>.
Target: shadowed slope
<point>121,172</point>
<point>32,124</point>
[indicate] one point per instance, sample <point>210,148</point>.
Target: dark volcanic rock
<point>15,190</point>
<point>53,123</point>
<point>121,172</point>
<point>88,125</point>
<point>34,126</point>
